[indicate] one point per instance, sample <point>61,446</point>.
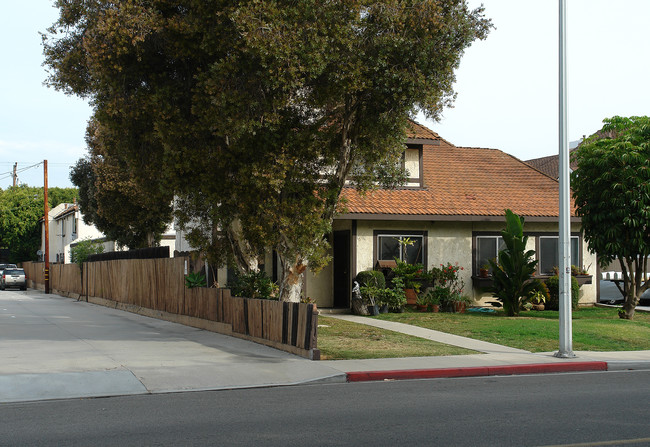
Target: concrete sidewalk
<point>57,348</point>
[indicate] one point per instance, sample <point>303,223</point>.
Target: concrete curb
<point>475,371</point>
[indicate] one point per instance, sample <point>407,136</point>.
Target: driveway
<point>55,347</point>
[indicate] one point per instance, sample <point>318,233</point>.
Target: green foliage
<point>553,300</point>
<point>115,203</point>
<point>512,275</point>
<point>371,278</point>
<point>256,114</point>
<point>82,249</point>
<point>254,285</point>
<point>539,294</point>
<point>372,295</point>
<point>410,274</point>
<point>435,295</point>
<point>395,298</point>
<point>21,208</point>
<point>195,279</point>
<point>448,277</point>
<point>611,188</point>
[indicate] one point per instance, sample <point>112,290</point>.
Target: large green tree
<point>128,207</point>
<point>611,188</point>
<point>21,211</point>
<point>260,112</point>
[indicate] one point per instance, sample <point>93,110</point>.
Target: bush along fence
<point>156,288</point>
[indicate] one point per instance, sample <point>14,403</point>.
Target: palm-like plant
<point>512,274</point>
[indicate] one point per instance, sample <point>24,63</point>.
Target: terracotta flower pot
<point>411,297</point>
<point>459,307</point>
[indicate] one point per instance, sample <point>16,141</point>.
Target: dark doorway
<point>341,250</point>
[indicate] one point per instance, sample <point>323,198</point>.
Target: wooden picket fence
<point>158,285</point>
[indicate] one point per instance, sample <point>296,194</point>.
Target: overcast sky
<point>506,85</point>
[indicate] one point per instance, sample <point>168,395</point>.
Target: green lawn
<point>594,329</point>
<point>339,339</point>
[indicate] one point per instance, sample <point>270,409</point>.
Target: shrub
<point>553,301</point>
<point>372,295</point>
<point>195,279</point>
<point>411,274</point>
<point>511,275</point>
<point>253,285</point>
<point>394,298</point>
<point>372,278</point>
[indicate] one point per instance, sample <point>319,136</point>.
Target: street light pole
<point>566,332</point>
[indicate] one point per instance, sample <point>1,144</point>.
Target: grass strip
<point>345,340</point>
<point>594,329</point>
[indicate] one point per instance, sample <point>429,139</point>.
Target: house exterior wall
<point>447,241</point>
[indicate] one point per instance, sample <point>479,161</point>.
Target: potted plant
<point>395,298</point>
<point>537,300</point>
<point>484,271</point>
<point>410,276</point>
<point>372,298</point>
<point>422,303</point>
<point>459,303</point>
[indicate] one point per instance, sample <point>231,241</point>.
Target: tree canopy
<point>256,114</point>
<point>21,210</point>
<point>611,188</point>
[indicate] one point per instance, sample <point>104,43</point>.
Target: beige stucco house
<point>453,208</point>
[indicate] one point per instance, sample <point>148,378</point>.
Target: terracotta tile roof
<point>460,181</point>
<point>419,131</point>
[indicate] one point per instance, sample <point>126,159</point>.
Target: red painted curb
<point>475,371</point>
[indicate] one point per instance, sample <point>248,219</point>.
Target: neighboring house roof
<point>550,165</point>
<point>70,209</point>
<point>466,184</point>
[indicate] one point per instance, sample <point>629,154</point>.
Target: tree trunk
<point>631,278</point>
<point>246,259</point>
<point>292,279</point>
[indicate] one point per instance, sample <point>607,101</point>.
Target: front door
<point>341,250</point>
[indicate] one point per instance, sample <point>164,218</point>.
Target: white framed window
<point>487,247</point>
<point>548,253</point>
<point>407,247</point>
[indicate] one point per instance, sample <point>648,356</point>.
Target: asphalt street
<point>589,409</point>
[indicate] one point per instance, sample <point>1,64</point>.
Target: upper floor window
<point>75,223</point>
<point>407,247</point>
<point>412,160</point>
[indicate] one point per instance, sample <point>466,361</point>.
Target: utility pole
<point>14,175</point>
<point>46,221</point>
<point>566,329</point>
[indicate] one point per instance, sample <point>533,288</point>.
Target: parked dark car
<point>13,277</point>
